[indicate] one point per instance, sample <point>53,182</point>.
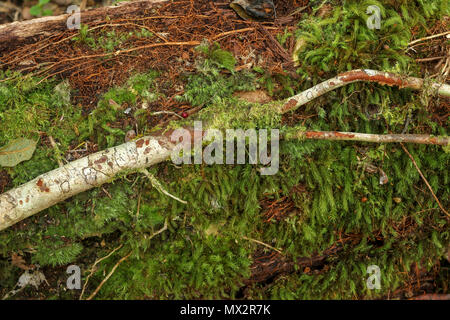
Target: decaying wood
<point>14,33</point>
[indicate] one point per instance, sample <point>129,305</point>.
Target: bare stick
<point>424,179</point>
<point>368,137</point>
<point>262,243</point>
<point>428,38</point>
<point>381,77</point>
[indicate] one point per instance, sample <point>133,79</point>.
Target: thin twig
<point>108,276</point>
<point>262,243</point>
<point>138,205</point>
<point>424,179</point>
<point>118,263</point>
<point>166,112</point>
<point>429,59</point>
<point>93,269</point>
<point>164,228</point>
<point>428,38</point>
<point>370,137</point>
<point>223,34</point>
<point>155,183</point>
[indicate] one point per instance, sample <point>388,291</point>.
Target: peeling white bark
<point>80,175</point>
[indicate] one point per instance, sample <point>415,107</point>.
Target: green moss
<point>202,253</point>
<point>109,41</point>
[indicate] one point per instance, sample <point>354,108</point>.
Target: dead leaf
<point>18,261</point>
<point>16,151</point>
<point>383,177</point>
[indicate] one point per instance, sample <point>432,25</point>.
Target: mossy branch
<point>101,167</point>
<point>381,77</point>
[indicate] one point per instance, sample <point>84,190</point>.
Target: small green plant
<point>108,40</point>
<point>84,37</point>
<point>38,9</point>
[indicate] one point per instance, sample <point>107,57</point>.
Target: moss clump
<point>120,103</point>
<point>204,252</point>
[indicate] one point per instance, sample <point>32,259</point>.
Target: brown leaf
<point>18,261</point>
<point>383,177</point>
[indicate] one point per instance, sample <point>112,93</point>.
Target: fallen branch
<point>80,175</point>
<point>12,34</point>
<point>381,77</point>
<point>102,167</point>
<point>368,137</point>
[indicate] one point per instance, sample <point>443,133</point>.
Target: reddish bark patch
<point>343,135</point>
<point>314,134</point>
<point>385,78</point>
<point>140,143</point>
<point>101,160</point>
<point>164,144</point>
<point>433,140</point>
<point>42,186</point>
<point>289,105</point>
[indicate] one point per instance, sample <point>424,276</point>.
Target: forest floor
<point>97,63</point>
